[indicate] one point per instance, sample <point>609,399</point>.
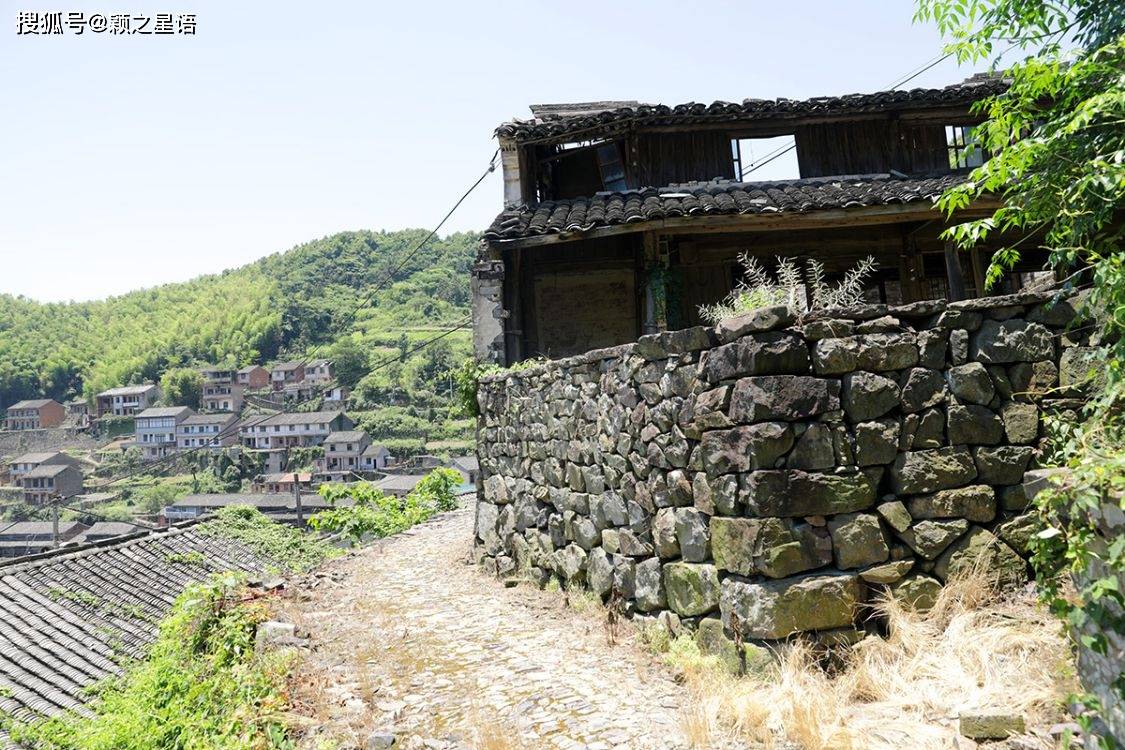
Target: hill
<point>286,305</point>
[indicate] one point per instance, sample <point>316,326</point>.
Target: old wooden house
<point>622,218</point>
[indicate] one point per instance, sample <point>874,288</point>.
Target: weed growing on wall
<point>789,288</point>
<point>203,685</point>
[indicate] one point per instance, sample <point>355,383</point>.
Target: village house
<point>35,537</point>
<point>336,396</point>
<point>126,400</point>
<point>20,465</point>
<point>156,430</point>
<point>319,372</point>
<point>78,413</point>
<point>50,481</point>
<point>103,531</point>
<point>286,373</point>
<point>282,481</point>
<point>221,390</point>
<point>34,414</point>
<point>207,430</point>
<point>622,219</point>
<point>376,457</point>
<point>277,434</point>
<point>343,454</point>
<point>399,485</point>
<point>253,377</point>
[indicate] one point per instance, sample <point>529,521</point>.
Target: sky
<point>132,161</point>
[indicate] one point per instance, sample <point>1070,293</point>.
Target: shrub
<point>758,289</point>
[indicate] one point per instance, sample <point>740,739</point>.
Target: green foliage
<point>1056,146</point>
<point>286,546</point>
<point>467,379</point>
<point>203,686</point>
<point>361,510</point>
<point>182,386</point>
<point>758,289</point>
<point>283,305</point>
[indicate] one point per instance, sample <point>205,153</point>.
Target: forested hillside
<point>286,305</point>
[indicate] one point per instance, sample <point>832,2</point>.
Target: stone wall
<point>770,475</point>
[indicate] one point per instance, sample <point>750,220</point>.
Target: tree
<point>1056,145</point>
<point>182,386</point>
<point>349,359</point>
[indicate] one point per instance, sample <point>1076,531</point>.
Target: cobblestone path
<point>409,638</point>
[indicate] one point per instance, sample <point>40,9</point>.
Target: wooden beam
<point>953,271</point>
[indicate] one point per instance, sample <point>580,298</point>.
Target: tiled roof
<point>346,436</point>
<point>35,403</point>
<point>33,529</point>
<point>301,417</point>
<point>105,530</point>
<point>164,411</point>
<point>220,418</point>
<point>43,471</point>
<point>284,366</point>
<point>587,121</point>
<point>68,619</point>
<point>399,482</point>
<point>720,197</point>
<point>35,458</point>
<point>129,390</point>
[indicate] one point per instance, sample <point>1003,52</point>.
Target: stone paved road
<point>408,637</point>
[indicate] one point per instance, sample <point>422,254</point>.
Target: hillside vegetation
<point>290,304</point>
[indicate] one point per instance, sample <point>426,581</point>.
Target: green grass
<point>279,544</point>
<point>203,686</point>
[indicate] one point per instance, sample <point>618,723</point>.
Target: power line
<point>914,74</point>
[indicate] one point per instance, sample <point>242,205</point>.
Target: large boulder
<point>980,547</point>
<point>744,448</point>
<point>791,493</point>
<point>599,571</point>
<point>487,517</point>
<point>876,442</point>
<point>773,353</point>
<point>664,534</point>
<point>756,321</point>
<point>857,540</point>
<point>971,382</point>
<point>814,449</point>
<point>916,472</point>
<point>1082,370</point>
<point>691,589</point>
<point>1021,422</point>
<point>928,538</point>
<point>1002,464</point>
<point>835,356</point>
<point>869,396</point>
<point>971,424</point>
<point>783,397</point>
<point>976,502</point>
<point>922,388</point>
<point>691,535</point>
<point>1012,340</point>
<point>917,592</point>
<point>887,351</point>
<point>773,547</point>
<point>776,609</point>
<point>649,586</point>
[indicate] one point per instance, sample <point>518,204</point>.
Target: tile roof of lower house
<point>129,390</point>
<point>34,403</point>
<point>260,500</point>
<point>164,411</point>
<point>218,418</point>
<point>68,617</point>
<point>35,458</point>
<point>45,529</point>
<point>346,436</point>
<point>716,198</point>
<point>300,417</point>
<point>43,471</point>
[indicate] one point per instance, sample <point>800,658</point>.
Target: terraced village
<point>671,455</point>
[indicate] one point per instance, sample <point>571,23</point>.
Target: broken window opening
<point>765,159</point>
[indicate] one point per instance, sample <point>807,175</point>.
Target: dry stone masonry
<point>773,475</point>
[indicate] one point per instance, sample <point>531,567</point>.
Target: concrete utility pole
<point>297,499</point>
<point>55,522</point>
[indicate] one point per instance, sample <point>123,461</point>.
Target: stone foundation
<point>778,473</point>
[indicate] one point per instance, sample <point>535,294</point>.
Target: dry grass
<point>486,733</point>
<point>974,651</point>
